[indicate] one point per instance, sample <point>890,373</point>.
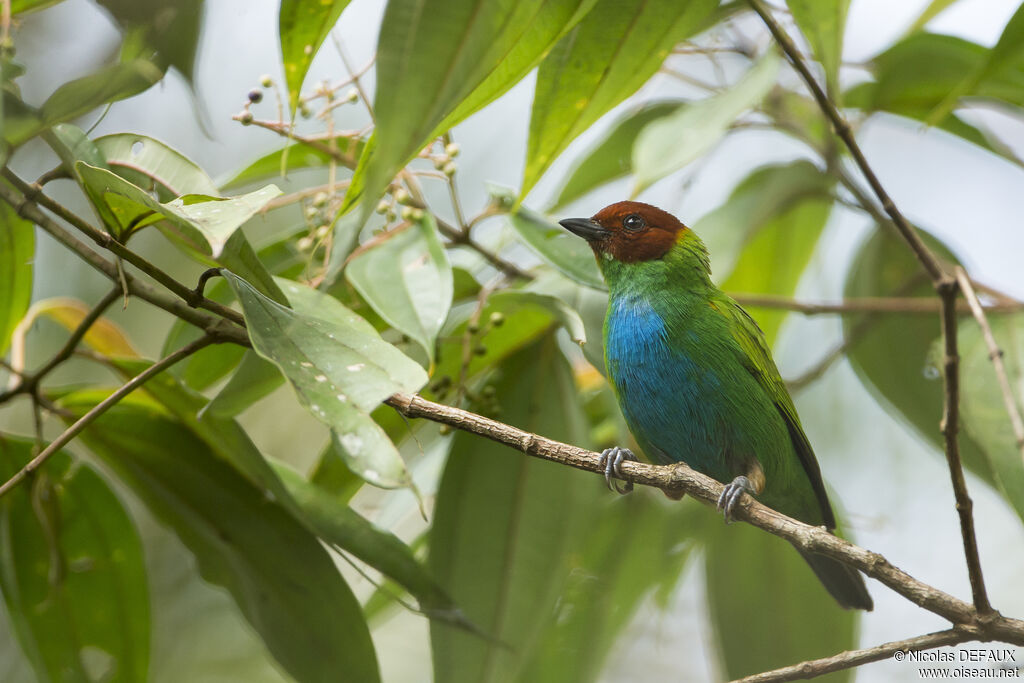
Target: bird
<point>695,379</point>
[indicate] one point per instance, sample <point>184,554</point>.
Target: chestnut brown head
<point>628,231</point>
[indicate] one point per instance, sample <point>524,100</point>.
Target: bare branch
<point>852,658</point>
<point>950,431</point>
<point>995,354</point>
<point>867,304</point>
<point>102,407</point>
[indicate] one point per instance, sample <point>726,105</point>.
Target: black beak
<point>586,228</point>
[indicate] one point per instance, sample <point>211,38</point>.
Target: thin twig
<point>867,304</point>
<point>950,430</point>
<point>681,479</point>
<point>172,305</point>
<point>34,196</point>
<point>995,354</point>
<point>853,658</point>
<point>102,407</point>
<point>924,255</point>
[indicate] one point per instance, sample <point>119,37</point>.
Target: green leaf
<point>19,6</point>
<point>982,408</point>
<point>758,200</point>
<point>553,243</point>
<point>767,608</point>
<point>341,526</point>
<point>17,249</point>
<point>298,156</point>
<point>282,579</point>
<point>631,548</point>
<point>407,279</point>
<point>604,60</point>
<point>892,354</point>
<point>170,28</point>
<point>72,573</point>
<point>303,26</point>
<point>670,143</point>
<point>206,227</point>
<point>254,379</point>
<point>339,367</point>
<point>612,158</point>
<point>504,524</point>
<point>823,23</point>
<point>71,144</point>
<point>163,165</point>
<point>452,57</point>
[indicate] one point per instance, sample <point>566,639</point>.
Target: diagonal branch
<point>850,659</point>
<point>680,479</point>
<point>995,354</point>
<point>102,407</point>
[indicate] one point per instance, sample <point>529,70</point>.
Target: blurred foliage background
<point>235,520</point>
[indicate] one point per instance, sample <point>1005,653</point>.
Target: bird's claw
<point>611,460</point>
<point>731,495</point>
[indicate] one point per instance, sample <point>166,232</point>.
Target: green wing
<point>757,358</point>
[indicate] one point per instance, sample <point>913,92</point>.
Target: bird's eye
<point>634,221</point>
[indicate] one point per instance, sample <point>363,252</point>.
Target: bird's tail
<point>843,582</point>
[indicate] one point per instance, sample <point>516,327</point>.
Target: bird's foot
<point>611,460</point>
<point>731,496</point>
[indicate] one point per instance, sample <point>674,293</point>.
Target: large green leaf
<point>613,157</point>
<point>670,143</point>
<point>304,25</point>
<point>982,408</point>
<point>253,379</point>
<point>282,579</point>
<point>156,161</point>
<point>767,608</point>
<point>553,243</point>
<point>455,55</point>
<point>504,524</point>
<point>339,367</point>
<point>72,573</point>
<point>891,353</point>
<point>17,248</point>
<point>823,23</point>
<point>913,77</point>
<point>170,28</point>
<point>604,60</point>
<point>407,279</point>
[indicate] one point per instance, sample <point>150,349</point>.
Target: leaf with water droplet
<point>326,351</point>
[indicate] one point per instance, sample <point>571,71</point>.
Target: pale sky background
<point>966,196</point>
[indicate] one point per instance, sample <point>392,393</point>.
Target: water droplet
<point>321,378</point>
<point>342,398</point>
<point>306,364</point>
<point>352,443</point>
<point>356,367</point>
<point>931,372</point>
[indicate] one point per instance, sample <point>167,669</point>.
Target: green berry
<point>497,319</point>
<point>402,196</point>
<point>266,81</point>
<point>245,117</point>
<point>452,149</point>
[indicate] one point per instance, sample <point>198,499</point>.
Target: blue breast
<point>670,401</point>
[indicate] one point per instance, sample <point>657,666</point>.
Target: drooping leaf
<point>161,164</point>
<point>553,243</point>
<point>284,582</point>
<point>72,573</point>
<point>756,582</point>
<point>823,23</point>
<point>407,279</point>
<point>254,379</point>
<point>504,524</point>
<point>17,248</point>
<point>339,367</point>
<point>670,143</point>
<point>303,27</point>
<point>299,157</point>
<point>604,60</point>
<point>982,408</point>
<point>630,549</point>
<point>891,354</point>
<point>71,144</point>
<point>170,28</point>
<point>932,10</point>
<point>457,55</point>
<point>612,158</point>
<point>103,336</point>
